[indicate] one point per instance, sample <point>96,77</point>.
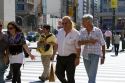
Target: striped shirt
<point>92,48</point>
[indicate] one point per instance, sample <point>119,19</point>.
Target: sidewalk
<point>113,71</point>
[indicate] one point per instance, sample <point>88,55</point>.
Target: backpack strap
<point>48,36</point>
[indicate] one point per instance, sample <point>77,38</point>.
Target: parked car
<point>31,36</point>
<point>4,30</point>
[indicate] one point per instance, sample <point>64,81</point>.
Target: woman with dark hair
<point>16,41</point>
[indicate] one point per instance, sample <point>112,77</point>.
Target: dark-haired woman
<point>16,44</point>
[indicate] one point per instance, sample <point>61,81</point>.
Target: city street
<point>113,71</point>
<point>38,18</point>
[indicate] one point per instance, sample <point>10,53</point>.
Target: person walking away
<point>108,37</point>
<point>123,43</point>
<point>3,47</point>
<point>68,51</point>
<point>116,43</point>
<point>16,41</point>
<point>45,47</point>
<point>59,26</point>
<point>94,47</point>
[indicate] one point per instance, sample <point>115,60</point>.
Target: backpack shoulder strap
<point>48,36</point>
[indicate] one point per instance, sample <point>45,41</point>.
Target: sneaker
<point>9,77</point>
<point>43,80</point>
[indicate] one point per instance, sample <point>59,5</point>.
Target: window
<point>20,0</point>
<point>20,7</point>
<point>121,9</point>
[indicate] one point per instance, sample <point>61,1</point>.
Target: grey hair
<point>88,17</point>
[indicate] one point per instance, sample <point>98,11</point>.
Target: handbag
<point>51,74</point>
<point>6,57</point>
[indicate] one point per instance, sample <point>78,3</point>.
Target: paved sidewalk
<point>113,71</point>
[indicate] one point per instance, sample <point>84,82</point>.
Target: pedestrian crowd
<point>65,46</point>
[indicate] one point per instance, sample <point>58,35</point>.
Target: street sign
<point>70,11</point>
<point>114,3</point>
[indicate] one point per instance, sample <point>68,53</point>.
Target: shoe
<point>9,77</point>
<point>43,80</point>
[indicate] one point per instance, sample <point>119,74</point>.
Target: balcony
<point>31,2</point>
<point>110,14</point>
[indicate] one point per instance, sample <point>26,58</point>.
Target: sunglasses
<point>10,28</point>
<point>64,23</point>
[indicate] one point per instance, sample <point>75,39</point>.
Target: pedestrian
<point>94,46</point>
<point>116,43</point>
<point>3,47</point>
<point>68,51</point>
<point>16,41</point>
<point>45,46</point>
<point>108,37</point>
<point>59,26</point>
<point>123,42</point>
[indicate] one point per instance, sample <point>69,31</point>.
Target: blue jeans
<point>3,67</point>
<point>91,66</point>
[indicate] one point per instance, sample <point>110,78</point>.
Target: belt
<point>72,54</point>
<point>16,53</point>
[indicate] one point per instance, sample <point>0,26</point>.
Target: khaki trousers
<point>46,66</point>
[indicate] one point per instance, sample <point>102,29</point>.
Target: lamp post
<point>113,19</point>
<point>113,6</point>
<point>44,12</point>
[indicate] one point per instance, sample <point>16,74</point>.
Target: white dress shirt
<point>67,44</point>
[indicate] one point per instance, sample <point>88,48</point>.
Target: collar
<point>93,29</point>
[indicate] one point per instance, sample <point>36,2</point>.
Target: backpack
<point>44,47</point>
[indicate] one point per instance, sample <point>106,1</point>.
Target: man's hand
<point>92,41</point>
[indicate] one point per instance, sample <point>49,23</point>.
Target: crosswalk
<point>113,71</point>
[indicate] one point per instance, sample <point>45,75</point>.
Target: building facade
<point>25,14</point>
<point>106,15</point>
<point>7,11</point>
<point>89,7</point>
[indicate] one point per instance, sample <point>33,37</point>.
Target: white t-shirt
<point>108,33</point>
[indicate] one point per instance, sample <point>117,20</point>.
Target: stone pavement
<point>113,71</point>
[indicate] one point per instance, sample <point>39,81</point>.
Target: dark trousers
<point>16,73</point>
<point>116,46</point>
<point>66,64</point>
<point>10,71</point>
<point>107,42</point>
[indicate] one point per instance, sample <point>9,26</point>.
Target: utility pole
<point>75,10</point>
<point>44,12</point>
<point>113,6</point>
